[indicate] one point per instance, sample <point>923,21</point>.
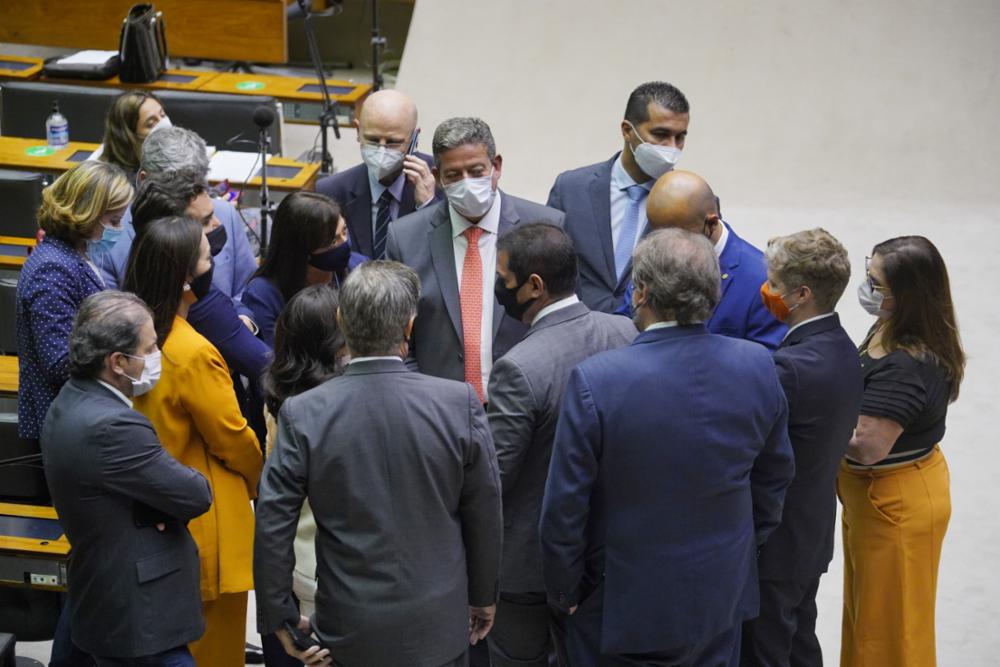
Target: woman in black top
<point>894,482</point>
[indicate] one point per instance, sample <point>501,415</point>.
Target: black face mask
<point>507,297</point>
<point>335,259</point>
<point>201,284</point>
<point>216,240</point>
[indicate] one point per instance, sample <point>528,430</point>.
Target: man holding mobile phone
<point>392,181</point>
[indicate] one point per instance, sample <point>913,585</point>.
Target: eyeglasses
<point>871,281</point>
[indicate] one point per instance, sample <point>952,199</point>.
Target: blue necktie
<point>382,219</point>
<point>630,227</point>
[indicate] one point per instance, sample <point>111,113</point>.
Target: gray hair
<point>456,132</point>
<point>376,302</point>
<point>680,273</point>
<point>107,322</point>
<point>174,148</point>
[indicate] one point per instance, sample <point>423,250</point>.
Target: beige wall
<point>799,102</point>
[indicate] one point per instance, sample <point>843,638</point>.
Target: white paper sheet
<point>88,57</point>
<point>233,166</point>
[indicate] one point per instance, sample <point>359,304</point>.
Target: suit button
<point>461,357</point>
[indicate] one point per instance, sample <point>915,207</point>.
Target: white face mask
<point>471,197</point>
<point>150,374</point>
<point>162,125</point>
<point>654,160</point>
<point>871,299</point>
<point>382,162</point>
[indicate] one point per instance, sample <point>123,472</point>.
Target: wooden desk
<point>246,30</point>
<point>172,79</point>
<point>8,376</point>
<point>33,154</point>
<point>39,562</point>
<point>13,258</point>
<point>288,88</point>
<point>20,68</point>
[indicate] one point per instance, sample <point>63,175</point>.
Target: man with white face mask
<point>605,203</point>
<point>123,501</point>
<point>460,328</point>
<point>393,179</point>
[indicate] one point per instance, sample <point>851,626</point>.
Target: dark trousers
<point>64,652</point>
<point>526,631</point>
<point>784,635</point>
<point>177,657</point>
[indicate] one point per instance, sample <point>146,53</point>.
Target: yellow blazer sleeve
<point>207,394</point>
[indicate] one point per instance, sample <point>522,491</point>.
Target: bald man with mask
<point>393,179</point>
<point>684,200</point>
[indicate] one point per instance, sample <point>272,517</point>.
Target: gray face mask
<point>871,299</point>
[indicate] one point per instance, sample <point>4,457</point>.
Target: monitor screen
<point>176,78</point>
<point>30,528</point>
<point>334,90</point>
<point>15,65</point>
<point>281,172</point>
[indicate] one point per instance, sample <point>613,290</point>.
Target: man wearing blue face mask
<point>393,179</point>
<point>605,203</point>
<point>460,328</point>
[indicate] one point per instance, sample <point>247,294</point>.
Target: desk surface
<point>173,79</point>
<point>57,547</point>
<point>8,375</point>
<point>286,87</point>
<point>20,68</point>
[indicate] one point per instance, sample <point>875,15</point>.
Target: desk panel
<point>288,88</point>
<point>8,376</point>
<point>172,79</point>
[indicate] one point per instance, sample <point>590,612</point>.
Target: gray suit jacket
<point>526,389</point>
<point>423,241</point>
<point>134,591</point>
<point>400,472</point>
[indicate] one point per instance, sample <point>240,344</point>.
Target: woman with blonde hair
<point>80,213</point>
<point>132,116</point>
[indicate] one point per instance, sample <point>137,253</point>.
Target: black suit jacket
<point>820,371</point>
<point>423,241</point>
<point>134,591</point>
<point>350,188</point>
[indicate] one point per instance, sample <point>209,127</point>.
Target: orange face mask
<point>775,303</point>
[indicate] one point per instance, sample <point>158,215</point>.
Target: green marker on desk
<point>250,85</point>
<point>39,151</point>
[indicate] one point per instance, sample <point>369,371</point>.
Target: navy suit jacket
<point>669,467</point>
<point>584,195</point>
<point>350,188</point>
<point>741,312</point>
<point>820,371</point>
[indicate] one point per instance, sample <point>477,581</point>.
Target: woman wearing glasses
<point>894,481</point>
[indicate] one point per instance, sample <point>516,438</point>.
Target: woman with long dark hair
<point>132,116</point>
<point>894,483</point>
<point>309,349</point>
<point>197,417</point>
<point>308,246</point>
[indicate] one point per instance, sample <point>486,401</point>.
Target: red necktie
<point>471,298</point>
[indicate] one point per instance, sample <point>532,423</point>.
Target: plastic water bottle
<point>57,128</point>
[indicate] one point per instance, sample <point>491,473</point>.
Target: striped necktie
<point>382,220</point>
<point>630,227</point>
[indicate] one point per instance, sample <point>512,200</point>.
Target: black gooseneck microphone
<point>263,118</point>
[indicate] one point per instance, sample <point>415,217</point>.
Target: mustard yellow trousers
<point>894,521</point>
<point>224,641</point>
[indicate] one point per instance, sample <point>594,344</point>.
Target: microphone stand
<point>265,199</point>
<point>328,116</point>
<point>378,43</point>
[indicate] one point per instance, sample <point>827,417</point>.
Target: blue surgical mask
<point>109,237</point>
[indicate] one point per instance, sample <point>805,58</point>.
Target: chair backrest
<point>8,312</point>
<point>24,106</point>
<point>20,197</point>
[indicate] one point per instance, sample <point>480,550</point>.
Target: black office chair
<point>8,312</point>
<point>20,197</point>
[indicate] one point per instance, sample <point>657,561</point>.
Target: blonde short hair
<point>72,206</point>
<point>813,258</point>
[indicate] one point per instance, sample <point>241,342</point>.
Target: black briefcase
<point>142,48</point>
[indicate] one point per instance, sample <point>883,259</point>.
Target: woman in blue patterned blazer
<point>80,212</point>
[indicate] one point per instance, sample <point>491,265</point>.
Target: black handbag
<point>142,48</point>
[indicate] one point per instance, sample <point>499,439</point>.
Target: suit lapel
<point>358,208</point>
<point>508,218</point>
<point>600,205</point>
<point>729,261</point>
<point>443,259</point>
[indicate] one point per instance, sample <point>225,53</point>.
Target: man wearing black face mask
<point>536,276</point>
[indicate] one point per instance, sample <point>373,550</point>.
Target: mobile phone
<point>302,641</point>
<point>413,142</point>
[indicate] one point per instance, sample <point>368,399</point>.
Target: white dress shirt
<point>662,325</point>
<point>554,306</point>
<point>395,188</point>
<point>620,182</point>
<point>117,392</point>
<point>720,245</point>
<point>490,224</point>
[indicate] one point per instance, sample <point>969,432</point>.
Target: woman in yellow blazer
<point>196,415</point>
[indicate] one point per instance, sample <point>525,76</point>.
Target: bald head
<point>388,113</point>
<point>683,200</point>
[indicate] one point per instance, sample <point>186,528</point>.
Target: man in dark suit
<point>605,203</point>
<point>461,329</point>
<point>392,181</point>
<point>123,501</point>
<point>536,276</point>
<point>684,200</point>
<point>670,463</point>
<point>820,372</point>
<point>401,476</point>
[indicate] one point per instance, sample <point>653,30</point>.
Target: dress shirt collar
<point>720,245</point>
<point>663,325</point>
<point>361,359</point>
<point>620,180</point>
<point>395,188</point>
<point>811,319</point>
<point>489,223</point>
<point>116,392</point>
<point>554,306</point>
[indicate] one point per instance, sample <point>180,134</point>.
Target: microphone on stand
<point>263,118</point>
